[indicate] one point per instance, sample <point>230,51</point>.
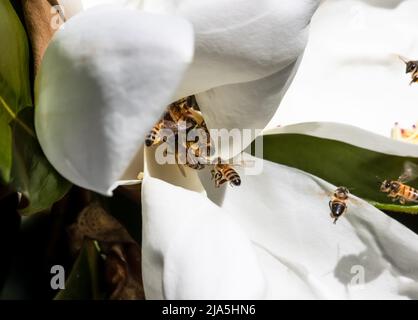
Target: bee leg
<point>402,200</point>
<point>212,172</point>
<point>330,205</point>
<point>222,182</point>
<point>392,195</point>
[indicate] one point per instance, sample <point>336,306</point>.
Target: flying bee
<point>338,204</point>
<point>411,67</point>
<point>155,137</point>
<point>397,190</point>
<point>224,172</point>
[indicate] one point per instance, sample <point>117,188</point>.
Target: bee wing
<point>354,201</point>
<point>405,60</point>
<point>170,125</point>
<point>410,172</point>
<point>243,163</point>
<point>325,194</point>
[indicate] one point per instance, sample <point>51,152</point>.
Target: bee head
<point>411,66</point>
<point>341,193</point>
<point>386,186</point>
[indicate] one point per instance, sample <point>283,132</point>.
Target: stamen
<point>404,134</point>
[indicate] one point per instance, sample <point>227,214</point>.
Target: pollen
<point>409,135</point>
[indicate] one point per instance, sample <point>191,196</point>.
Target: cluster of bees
<point>185,113</point>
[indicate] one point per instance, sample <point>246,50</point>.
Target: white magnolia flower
<point>123,65</point>
<point>351,72</point>
<point>105,79</point>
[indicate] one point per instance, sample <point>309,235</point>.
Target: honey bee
<point>411,67</point>
<point>198,151</point>
<point>338,204</point>
<point>195,159</point>
<point>187,110</point>
<point>397,190</point>
<point>155,137</point>
<point>224,172</point>
<point>181,110</point>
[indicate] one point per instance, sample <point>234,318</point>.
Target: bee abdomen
<point>231,173</point>
<point>413,194</point>
<point>338,208</point>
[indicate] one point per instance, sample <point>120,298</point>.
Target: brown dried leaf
<point>42,20</point>
<point>95,223</point>
<point>123,254</point>
<point>123,272</point>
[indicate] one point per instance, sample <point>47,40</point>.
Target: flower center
<point>183,131</point>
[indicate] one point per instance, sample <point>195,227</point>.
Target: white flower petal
<point>299,252</point>
<point>351,72</point>
<point>194,252</point>
<point>106,78</point>
<point>239,40</point>
<point>70,7</point>
<point>179,175</point>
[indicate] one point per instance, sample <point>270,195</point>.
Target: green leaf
<point>395,207</point>
<point>15,93</point>
<point>32,174</point>
<point>359,169</point>
<point>23,165</point>
<point>83,282</point>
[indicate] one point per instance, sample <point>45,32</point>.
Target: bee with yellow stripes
<point>224,172</point>
<point>338,203</point>
<point>397,190</point>
<point>412,68</point>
